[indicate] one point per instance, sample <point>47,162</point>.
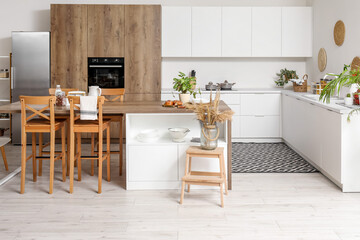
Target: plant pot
<point>348,101</point>
<point>356,100</point>
<point>184,97</point>
<point>209,135</point>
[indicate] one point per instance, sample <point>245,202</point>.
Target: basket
<point>303,87</point>
<point>300,88</point>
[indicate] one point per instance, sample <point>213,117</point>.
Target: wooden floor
<point>260,206</point>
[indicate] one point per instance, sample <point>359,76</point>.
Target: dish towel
<point>88,108</point>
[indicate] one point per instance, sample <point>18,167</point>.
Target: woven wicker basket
<point>300,88</point>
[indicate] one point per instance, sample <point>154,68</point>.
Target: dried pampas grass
<point>209,113</point>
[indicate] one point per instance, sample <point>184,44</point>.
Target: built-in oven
<point>106,72</point>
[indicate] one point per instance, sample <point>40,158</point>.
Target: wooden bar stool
<point>204,178</point>
<point>38,122</point>
<point>57,117</point>
<point>113,95</point>
<point>3,142</point>
<point>89,126</point>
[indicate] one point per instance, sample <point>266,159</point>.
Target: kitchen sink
<point>316,97</point>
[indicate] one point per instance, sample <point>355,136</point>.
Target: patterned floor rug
<point>267,158</point>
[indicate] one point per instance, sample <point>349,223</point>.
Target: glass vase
<point>209,135</point>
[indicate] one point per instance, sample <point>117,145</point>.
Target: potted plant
<point>284,76</point>
<point>348,99</point>
<point>209,115</point>
<point>185,85</point>
<point>345,79</point>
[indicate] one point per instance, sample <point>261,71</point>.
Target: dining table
<point>132,107</point>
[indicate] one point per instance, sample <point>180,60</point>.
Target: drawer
<point>260,104</point>
<point>260,126</point>
<point>230,98</point>
<point>235,108</point>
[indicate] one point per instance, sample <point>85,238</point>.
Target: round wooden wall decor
<point>322,59</point>
<point>355,63</point>
<point>339,33</point>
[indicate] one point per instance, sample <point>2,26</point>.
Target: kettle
<point>94,91</point>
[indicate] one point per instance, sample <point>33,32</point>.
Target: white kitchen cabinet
<point>176,32</point>
<point>230,98</point>
<point>297,31</point>
<point>146,159</point>
<point>235,127</point>
<point>331,143</point>
<point>236,31</point>
<point>206,31</point>
<point>260,126</point>
<point>260,104</point>
<point>266,32</point>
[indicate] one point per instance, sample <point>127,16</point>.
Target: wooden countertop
<point>117,108</point>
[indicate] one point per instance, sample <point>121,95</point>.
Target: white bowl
<point>148,135</point>
<point>178,134</point>
<point>200,100</point>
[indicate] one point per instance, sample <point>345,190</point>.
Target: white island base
<point>161,164</point>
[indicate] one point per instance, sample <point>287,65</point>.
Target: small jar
<point>60,99</point>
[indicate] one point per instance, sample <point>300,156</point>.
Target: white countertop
<point>234,91</point>
<point>299,95</point>
<point>331,106</point>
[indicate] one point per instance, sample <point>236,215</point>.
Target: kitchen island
<point>158,164</point>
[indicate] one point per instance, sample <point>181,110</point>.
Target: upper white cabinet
<point>206,32</point>
<point>236,31</point>
<point>266,31</point>
<point>176,31</point>
<point>297,31</point>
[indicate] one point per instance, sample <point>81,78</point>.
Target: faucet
<point>336,92</point>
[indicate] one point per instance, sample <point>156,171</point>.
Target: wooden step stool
<point>204,178</point>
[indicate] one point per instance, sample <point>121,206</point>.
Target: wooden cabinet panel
<point>69,46</point>
<point>143,50</point>
<point>106,30</point>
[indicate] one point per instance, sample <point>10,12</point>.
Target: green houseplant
<point>284,76</point>
<point>347,78</point>
<point>186,86</point>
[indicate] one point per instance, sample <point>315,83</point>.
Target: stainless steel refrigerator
<point>30,71</point>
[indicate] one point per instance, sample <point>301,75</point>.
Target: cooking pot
<point>226,85</point>
<point>210,86</point>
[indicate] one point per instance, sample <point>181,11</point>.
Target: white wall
<point>245,72</point>
<point>326,14</point>
<point>25,15</point>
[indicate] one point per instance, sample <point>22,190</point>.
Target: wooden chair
<point>113,95</point>
<point>38,122</point>
<point>57,117</point>
<point>90,126</point>
<point>3,142</point>
<point>204,178</point>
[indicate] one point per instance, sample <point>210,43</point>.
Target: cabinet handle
<point>298,99</point>
<point>259,116</point>
<point>312,104</point>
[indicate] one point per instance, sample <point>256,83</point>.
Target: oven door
<point>106,76</point>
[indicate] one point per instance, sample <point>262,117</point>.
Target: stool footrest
<point>199,173</point>
<point>203,179</point>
